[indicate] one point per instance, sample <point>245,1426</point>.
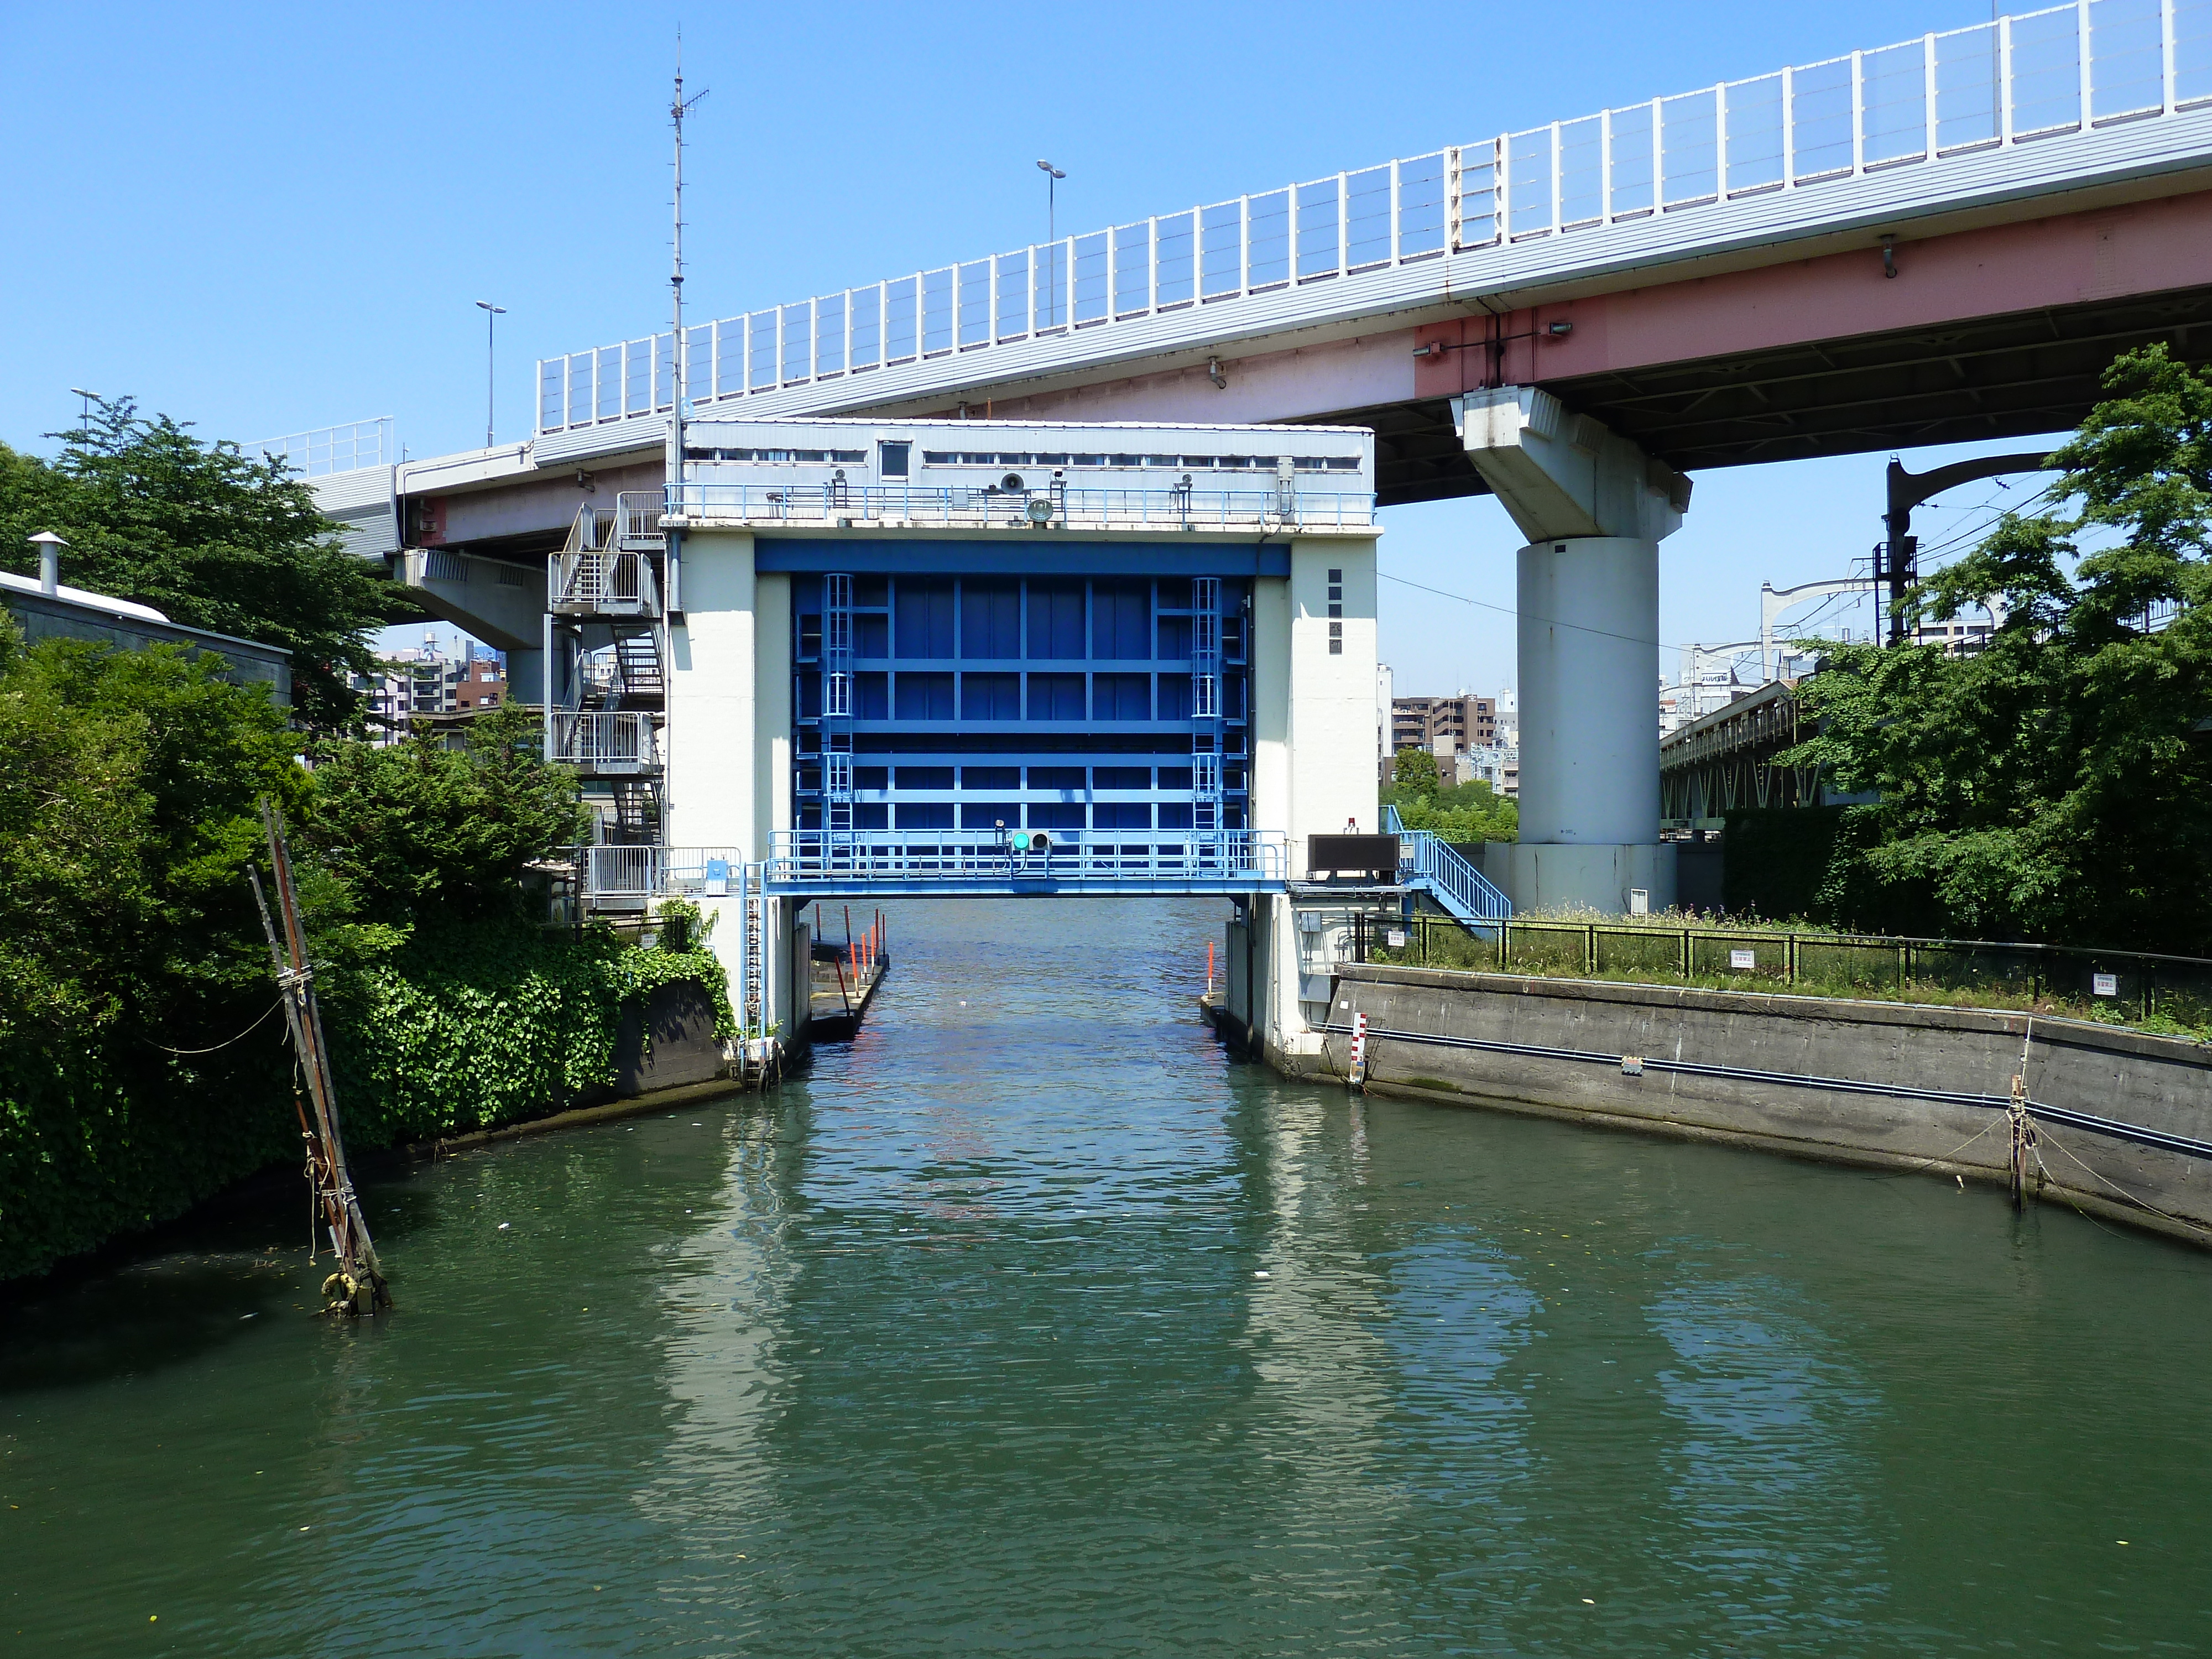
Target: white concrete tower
<point>1594,508</point>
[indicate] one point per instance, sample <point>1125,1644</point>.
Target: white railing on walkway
<point>605,743</point>
<point>922,857</point>
<point>696,505</point>
<point>2012,81</point>
<point>646,873</point>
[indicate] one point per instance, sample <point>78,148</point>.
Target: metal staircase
<point>1428,864</point>
<point>607,687</point>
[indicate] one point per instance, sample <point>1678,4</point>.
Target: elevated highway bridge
<point>1939,241</point>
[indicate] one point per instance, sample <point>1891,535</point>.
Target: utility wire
<point>1508,610</point>
<point>1975,533</point>
<point>240,1037</point>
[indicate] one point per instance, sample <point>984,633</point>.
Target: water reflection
<point>1029,1321</point>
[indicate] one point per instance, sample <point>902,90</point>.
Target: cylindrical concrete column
<point>1590,691</point>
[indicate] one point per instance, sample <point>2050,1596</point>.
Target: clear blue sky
<point>263,219</point>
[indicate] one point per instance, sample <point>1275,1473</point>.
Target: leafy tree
<point>128,813</point>
<point>133,1078</point>
<point>418,829</point>
<point>1412,775</point>
<point>2053,786</point>
<point>1465,811</point>
<point>208,536</point>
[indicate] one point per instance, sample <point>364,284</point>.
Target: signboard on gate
<point>2105,985</point>
<point>717,878</point>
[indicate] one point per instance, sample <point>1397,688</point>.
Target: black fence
<point>2125,985</point>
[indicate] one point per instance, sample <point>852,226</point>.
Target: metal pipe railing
<point>604,581</point>
<point>604,742</point>
<point>603,872</point>
<point>1136,856</point>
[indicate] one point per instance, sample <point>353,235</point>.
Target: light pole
<point>490,312</point>
<point>84,418</point>
<point>1052,175</point>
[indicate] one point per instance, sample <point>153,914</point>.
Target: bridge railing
<point>1138,858</point>
<point>342,448</point>
<point>2014,80</point>
<point>705,503</point>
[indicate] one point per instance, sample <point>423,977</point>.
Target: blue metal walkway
<point>811,863</point>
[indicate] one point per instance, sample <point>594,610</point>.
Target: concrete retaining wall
<point>1883,1083</point>
<point>679,1021</point>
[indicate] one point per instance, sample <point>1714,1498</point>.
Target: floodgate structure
<point>859,657</point>
<point>1943,240</point>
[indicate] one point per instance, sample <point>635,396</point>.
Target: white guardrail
<point>710,504</point>
<point>2012,81</point>
<point>647,872</point>
<point>606,581</point>
<point>604,743</point>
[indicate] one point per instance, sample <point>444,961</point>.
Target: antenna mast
<point>679,364</point>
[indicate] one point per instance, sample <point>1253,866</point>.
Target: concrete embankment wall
<point>668,1042</point>
<point>1887,1084</point>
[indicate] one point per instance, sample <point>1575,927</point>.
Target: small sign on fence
<point>1395,938</point>
<point>1743,959</point>
<point>717,878</point>
<point>2105,985</point>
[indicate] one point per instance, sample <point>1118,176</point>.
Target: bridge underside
<point>1985,378</point>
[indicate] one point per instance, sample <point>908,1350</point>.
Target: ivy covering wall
<point>481,1026</point>
<point>491,1026</point>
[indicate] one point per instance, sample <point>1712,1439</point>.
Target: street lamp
<point>490,312</point>
<point>84,418</point>
<point>1052,175</point>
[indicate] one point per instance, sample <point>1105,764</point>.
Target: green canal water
<point>1029,1323</point>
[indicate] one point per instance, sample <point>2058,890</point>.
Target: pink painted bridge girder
<point>2145,248</point>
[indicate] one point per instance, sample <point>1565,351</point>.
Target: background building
<point>424,682</point>
<point>1475,739</point>
<point>1445,727</point>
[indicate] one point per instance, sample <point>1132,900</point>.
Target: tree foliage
<point>140,1070</point>
<point>208,536</point>
<point>130,961</point>
<point>420,829</point>
<point>2054,785</point>
<point>128,815</point>
<point>1462,812</point>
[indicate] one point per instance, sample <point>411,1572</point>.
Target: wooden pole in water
<point>358,1286</point>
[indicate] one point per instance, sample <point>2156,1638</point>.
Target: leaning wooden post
<point>358,1286</point>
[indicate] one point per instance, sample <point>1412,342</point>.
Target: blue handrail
<point>1428,861</point>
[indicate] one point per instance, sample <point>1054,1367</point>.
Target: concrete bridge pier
<point>1594,508</point>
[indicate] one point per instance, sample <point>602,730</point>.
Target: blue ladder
<point>1427,863</point>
